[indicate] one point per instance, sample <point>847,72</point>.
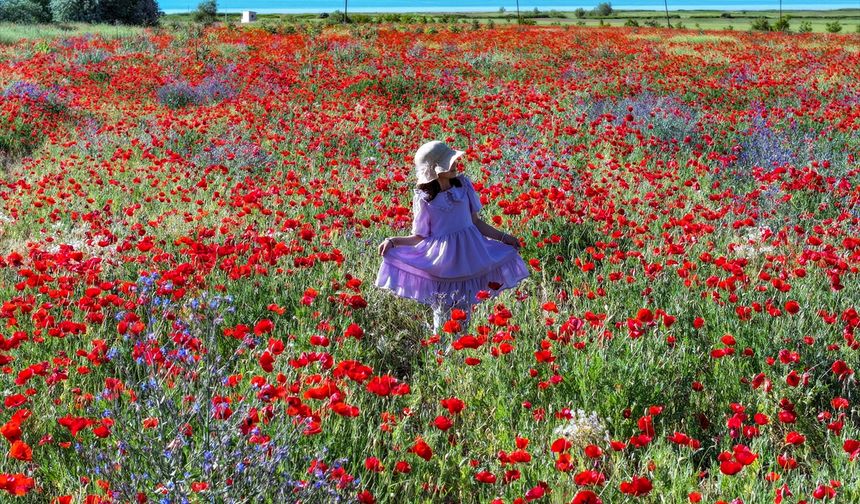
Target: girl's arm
<point>410,240</point>
<point>493,233</point>
<point>394,241</point>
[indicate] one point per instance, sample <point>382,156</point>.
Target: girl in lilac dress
<point>452,254</point>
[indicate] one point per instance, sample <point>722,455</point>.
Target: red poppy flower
<point>442,423</point>
<point>589,477</point>
<point>537,492</point>
<point>373,464</point>
<point>16,484</point>
<point>102,431</point>
<point>743,455</point>
<point>21,451</point>
<point>592,451</point>
<point>264,326</point>
<point>74,424</point>
<point>795,438</point>
<point>267,361</point>
<point>586,497</point>
<point>485,477</point>
<point>451,327</point>
<point>11,431</point>
<point>644,315</point>
<point>560,445</point>
<point>852,448</point>
<point>638,486</point>
<point>354,331</point>
<point>453,405</point>
<point>730,467</point>
<point>422,449</point>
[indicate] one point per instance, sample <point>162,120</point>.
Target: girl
<point>452,254</point>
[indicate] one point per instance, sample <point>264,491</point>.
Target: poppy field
<point>189,225</point>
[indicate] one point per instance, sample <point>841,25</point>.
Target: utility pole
<point>519,21</point>
<point>666,3</point>
<point>344,10</point>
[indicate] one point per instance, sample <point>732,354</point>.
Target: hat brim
<point>447,164</point>
<point>428,172</point>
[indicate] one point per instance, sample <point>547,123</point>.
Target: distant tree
<point>130,12</point>
<point>64,11</point>
<point>782,25</point>
<point>603,9</point>
<point>631,22</point>
<point>206,13</point>
<point>579,13</point>
<point>336,17</point>
<point>46,7</point>
<point>761,24</point>
<point>502,10</point>
<point>833,27</point>
<point>24,11</point>
<point>805,27</point>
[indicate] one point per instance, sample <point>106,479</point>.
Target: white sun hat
<point>434,158</point>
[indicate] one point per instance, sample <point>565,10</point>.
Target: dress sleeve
<point>474,199</point>
<point>420,216</point>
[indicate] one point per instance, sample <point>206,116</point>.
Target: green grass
<point>690,19</point>
<point>11,33</point>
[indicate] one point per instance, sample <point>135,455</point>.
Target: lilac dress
<point>454,261</point>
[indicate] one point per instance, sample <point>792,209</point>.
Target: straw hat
<point>434,158</point>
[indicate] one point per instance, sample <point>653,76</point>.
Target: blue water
<point>318,6</point>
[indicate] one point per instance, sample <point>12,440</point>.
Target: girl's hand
<point>385,245</point>
<point>511,240</point>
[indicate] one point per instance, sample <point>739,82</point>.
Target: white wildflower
<point>583,429</point>
<point>754,243</point>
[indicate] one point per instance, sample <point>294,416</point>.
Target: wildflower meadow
<point>189,224</point>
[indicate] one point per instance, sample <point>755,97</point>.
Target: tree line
<point>129,12</point>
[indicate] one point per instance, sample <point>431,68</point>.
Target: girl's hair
<point>433,188</point>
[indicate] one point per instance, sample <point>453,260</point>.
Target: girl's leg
<point>441,313</point>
